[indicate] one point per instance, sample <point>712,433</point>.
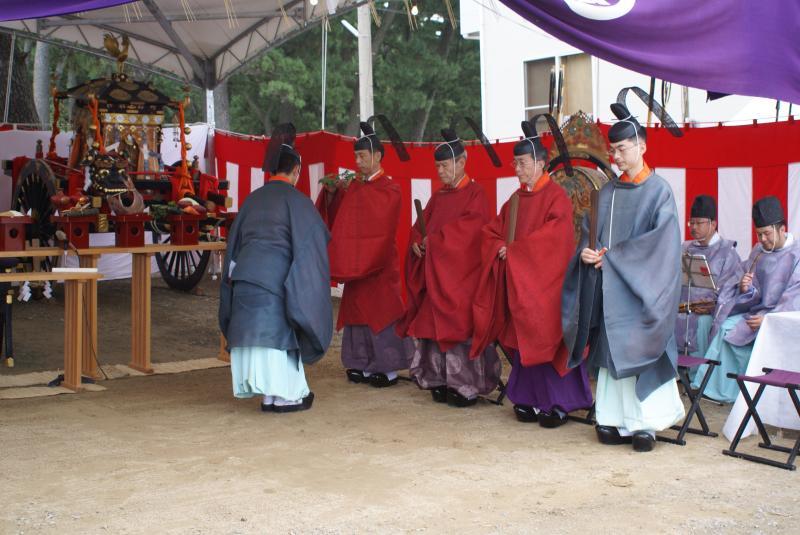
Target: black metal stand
<point>695,396</point>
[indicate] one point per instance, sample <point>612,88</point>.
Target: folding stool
<point>779,379</point>
<point>686,363</point>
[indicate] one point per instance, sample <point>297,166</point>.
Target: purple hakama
<point>541,387</point>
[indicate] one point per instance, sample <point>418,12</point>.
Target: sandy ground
<point>178,454</point>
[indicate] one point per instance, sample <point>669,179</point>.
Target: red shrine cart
<point>113,178</point>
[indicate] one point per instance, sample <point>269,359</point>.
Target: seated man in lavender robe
<point>771,284</point>
<point>621,297</point>
<point>692,329</point>
<point>518,301</point>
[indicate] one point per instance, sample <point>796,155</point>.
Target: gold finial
<point>111,44</point>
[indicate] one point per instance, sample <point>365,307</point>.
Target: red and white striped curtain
<point>735,164</point>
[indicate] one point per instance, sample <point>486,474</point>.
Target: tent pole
<point>324,68</point>
<point>10,71</point>
<point>366,103</point>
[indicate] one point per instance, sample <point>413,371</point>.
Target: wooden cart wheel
<point>35,185</point>
<point>181,270</point>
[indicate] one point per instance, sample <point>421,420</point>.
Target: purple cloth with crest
<point>745,48</point>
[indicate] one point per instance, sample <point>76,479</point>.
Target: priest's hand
<point>746,282</point>
<point>592,257</point>
<point>419,248</point>
<point>754,322</point>
<point>502,252</point>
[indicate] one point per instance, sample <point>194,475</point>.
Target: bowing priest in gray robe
<point>770,284</point>
<point>275,307</point>
<point>698,305</point>
<point>621,295</point>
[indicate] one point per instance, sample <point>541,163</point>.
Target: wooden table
<point>140,295</point>
<point>75,324</point>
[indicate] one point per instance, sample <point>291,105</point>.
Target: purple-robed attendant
<point>726,270</point>
<point>771,284</point>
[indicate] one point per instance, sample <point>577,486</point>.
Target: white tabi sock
<point>625,433</point>
<point>391,375</point>
<point>366,374</point>
<point>268,400</point>
<point>280,402</point>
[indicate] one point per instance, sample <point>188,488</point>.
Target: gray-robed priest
<point>278,243</point>
<point>626,311</point>
<point>275,290</point>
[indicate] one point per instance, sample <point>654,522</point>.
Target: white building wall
<point>508,41</point>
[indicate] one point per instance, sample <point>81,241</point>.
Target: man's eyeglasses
<point>521,164</point>
<point>697,222</point>
<point>621,150</point>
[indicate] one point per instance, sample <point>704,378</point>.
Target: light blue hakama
<point>704,323</point>
<point>268,372</point>
<point>733,359</point>
<point>618,406</point>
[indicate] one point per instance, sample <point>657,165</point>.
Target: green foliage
<point>424,79</point>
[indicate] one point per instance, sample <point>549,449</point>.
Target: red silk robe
<point>363,254</point>
<point>442,284</point>
<point>518,301</point>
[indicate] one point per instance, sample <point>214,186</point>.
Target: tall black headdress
<point>369,140</point>
<point>484,141</point>
<point>768,211</point>
<point>628,127</point>
<point>704,206</point>
<point>532,144</point>
<point>452,147</point>
<point>280,148</point>
<point>397,142</point>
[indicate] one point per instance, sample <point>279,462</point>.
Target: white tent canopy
<point>199,41</point>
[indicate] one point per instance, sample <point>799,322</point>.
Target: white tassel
<point>48,290</point>
<point>24,293</point>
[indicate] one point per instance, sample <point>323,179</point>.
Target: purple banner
<point>36,9</point>
<point>743,47</point>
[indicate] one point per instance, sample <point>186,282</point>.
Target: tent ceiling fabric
<point>202,46</point>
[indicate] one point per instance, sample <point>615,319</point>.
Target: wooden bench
<point>75,326</point>
<point>140,295</point>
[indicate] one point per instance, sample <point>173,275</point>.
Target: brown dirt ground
<point>178,454</point>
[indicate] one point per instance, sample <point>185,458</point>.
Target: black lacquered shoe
<point>302,406</point>
<point>356,376</point>
<point>454,399</point>
<point>551,419</point>
<point>609,435</point>
<point>643,441</point>
<point>381,380</point>
<point>525,413</point>
<point>439,394</point>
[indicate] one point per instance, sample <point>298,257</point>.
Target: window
<point>537,86</point>
<point>574,75</point>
